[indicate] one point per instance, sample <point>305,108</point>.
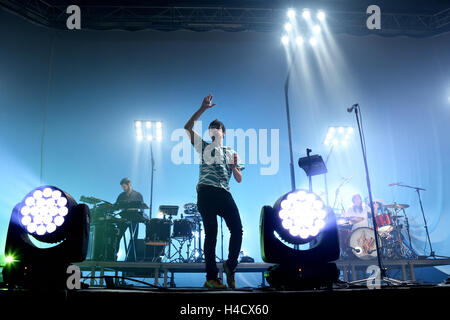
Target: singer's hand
<point>206,104</point>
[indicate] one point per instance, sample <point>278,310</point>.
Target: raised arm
<point>206,104</point>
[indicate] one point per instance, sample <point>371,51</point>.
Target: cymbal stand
<point>410,246</point>
<point>170,238</point>
<point>197,254</point>
<point>178,250</point>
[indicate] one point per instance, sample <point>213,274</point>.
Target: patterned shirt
<point>215,163</point>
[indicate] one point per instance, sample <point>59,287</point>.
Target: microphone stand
<point>288,118</point>
<point>369,189</point>
<point>325,176</point>
<point>432,253</point>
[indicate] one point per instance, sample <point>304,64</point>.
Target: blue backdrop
<point>92,86</point>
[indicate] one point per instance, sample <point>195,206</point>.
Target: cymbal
<point>397,206</point>
<point>190,207</point>
<point>349,220</point>
<point>343,222</point>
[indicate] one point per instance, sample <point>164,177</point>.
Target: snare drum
<point>362,243</point>
<point>384,224</point>
<point>182,228</point>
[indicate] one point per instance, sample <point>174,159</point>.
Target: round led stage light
<point>302,214</point>
<point>44,211</point>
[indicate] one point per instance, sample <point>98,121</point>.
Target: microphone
<point>357,249</point>
<point>350,109</point>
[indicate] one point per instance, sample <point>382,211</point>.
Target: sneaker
<point>214,284</point>
<point>230,276</point>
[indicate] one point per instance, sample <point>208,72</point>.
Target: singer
<point>217,164</point>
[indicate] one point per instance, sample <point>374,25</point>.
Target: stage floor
<point>198,303</point>
<point>163,273</point>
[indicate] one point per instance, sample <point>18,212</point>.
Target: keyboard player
<point>131,203</point>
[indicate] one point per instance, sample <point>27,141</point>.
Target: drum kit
<point>359,243</point>
<point>177,235</point>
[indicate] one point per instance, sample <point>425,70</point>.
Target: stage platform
<point>164,273</point>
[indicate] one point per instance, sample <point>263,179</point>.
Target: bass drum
<point>362,243</point>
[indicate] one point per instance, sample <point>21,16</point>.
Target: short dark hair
<point>216,124</point>
<point>125,181</point>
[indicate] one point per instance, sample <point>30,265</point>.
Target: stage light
<point>297,220</point>
<point>150,131</point>
<point>306,14</point>
<point>312,41</point>
<point>321,15</point>
<point>316,29</point>
<point>299,40</point>
<point>338,136</point>
<point>49,215</point>
<point>45,213</point>
<point>302,214</point>
<point>285,39</point>
<point>159,134</point>
<point>139,133</point>
<point>291,13</point>
<point>288,27</point>
<point>9,259</point>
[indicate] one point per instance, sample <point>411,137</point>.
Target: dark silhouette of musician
<point>130,202</point>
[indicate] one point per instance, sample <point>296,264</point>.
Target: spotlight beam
<point>153,129</point>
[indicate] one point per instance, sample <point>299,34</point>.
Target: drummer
<point>360,211</point>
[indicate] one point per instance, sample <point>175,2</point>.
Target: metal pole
<point>432,254</point>
<point>286,96</point>
<point>152,174</point>
<point>369,189</point>
<point>325,176</point>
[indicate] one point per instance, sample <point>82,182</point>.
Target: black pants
<point>211,202</point>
